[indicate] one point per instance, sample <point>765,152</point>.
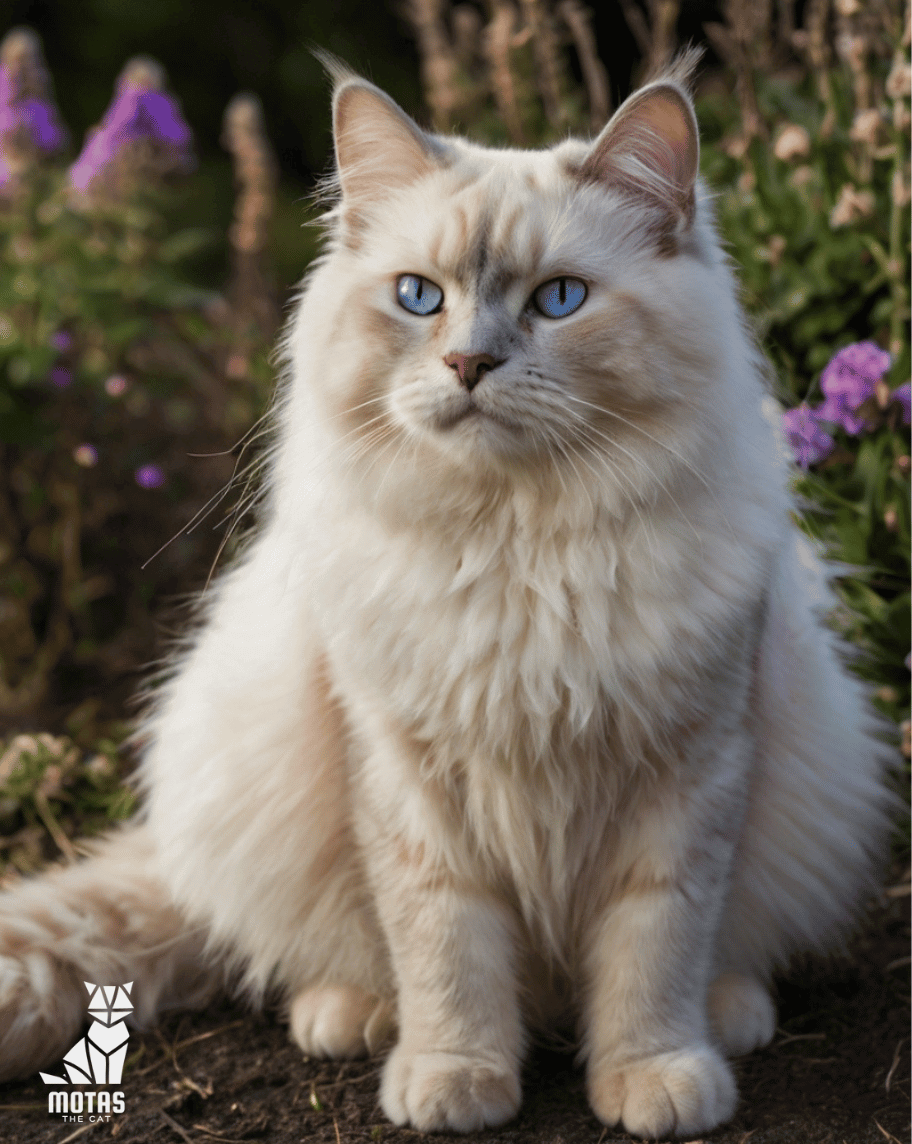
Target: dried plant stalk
<point>785,28</point>
<point>638,25</point>
<point>467,31</point>
<point>595,77</point>
<point>438,60</point>
<point>656,35</point>
<point>663,18</point>
<point>549,71</point>
<point>812,39</point>
<point>255,174</point>
<point>743,41</point>
<point>498,41</point>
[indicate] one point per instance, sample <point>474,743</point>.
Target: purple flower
<point>809,443</point>
<point>29,121</point>
<point>61,377</point>
<point>37,117</point>
<point>141,110</point>
<point>902,395</point>
<point>60,341</point>
<point>150,476</point>
<point>849,381</point>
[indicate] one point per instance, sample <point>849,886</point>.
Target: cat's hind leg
<point>107,920</point>
<point>741,1013</point>
<point>341,1021</point>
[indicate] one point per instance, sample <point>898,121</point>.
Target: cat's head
<point>553,312</point>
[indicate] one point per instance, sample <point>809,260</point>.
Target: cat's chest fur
<point>513,638</point>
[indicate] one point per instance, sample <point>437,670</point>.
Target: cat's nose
<point>471,367</point>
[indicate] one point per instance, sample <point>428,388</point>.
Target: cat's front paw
<point>677,1093</point>
<point>741,1013</point>
<point>340,1021</point>
<point>438,1091</point>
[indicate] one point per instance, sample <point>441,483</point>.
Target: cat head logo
<point>98,1057</point>
<point>109,1004</point>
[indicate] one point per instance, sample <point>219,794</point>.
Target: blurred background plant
<point>137,317</point>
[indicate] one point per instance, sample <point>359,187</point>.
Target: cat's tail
<point>105,920</point>
<point>819,810</point>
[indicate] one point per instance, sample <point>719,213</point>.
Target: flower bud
<point>793,142</point>
<point>899,81</point>
<point>865,126</point>
<point>851,205</point>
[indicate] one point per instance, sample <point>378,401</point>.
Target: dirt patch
<point>837,1073</point>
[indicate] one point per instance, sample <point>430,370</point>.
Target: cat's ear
<point>651,148</point>
<point>378,147</point>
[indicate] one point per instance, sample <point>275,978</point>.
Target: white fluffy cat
<point>518,708</point>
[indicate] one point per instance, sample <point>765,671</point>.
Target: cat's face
<point>518,308</point>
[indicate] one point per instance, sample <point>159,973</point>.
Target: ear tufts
<point>335,67</point>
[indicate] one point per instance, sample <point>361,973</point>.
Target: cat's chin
<point>470,429</point>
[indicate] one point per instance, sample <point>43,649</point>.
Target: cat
<point>519,707</point>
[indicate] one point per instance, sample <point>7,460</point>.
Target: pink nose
<point>470,367</point>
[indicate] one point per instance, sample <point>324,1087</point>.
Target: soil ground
<point>836,1073</point>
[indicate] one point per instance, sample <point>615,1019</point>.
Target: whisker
<point>663,444</point>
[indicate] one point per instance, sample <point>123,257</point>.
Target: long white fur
<point>520,718</point>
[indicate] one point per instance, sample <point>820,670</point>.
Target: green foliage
<point>123,387</point>
<point>51,792</point>
<point>813,284</point>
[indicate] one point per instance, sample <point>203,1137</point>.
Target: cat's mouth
<point>468,411</point>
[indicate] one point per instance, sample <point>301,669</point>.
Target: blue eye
<point>418,295</point>
<point>559,297</point>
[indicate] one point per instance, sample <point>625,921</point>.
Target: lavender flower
<point>143,130</point>
<point>60,341</point>
<point>902,395</point>
<point>150,476</point>
<point>29,121</point>
<point>809,443</point>
<point>61,377</point>
<point>849,381</point>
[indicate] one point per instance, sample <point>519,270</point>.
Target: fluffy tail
<point>106,920</point>
<point>819,812</point>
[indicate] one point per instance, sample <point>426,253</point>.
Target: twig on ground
<point>787,1038</point>
<point>895,1065</point>
<point>217,1135</point>
<point>206,1036</point>
<point>182,1045</point>
<point>887,1135</point>
<point>169,1120</point>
